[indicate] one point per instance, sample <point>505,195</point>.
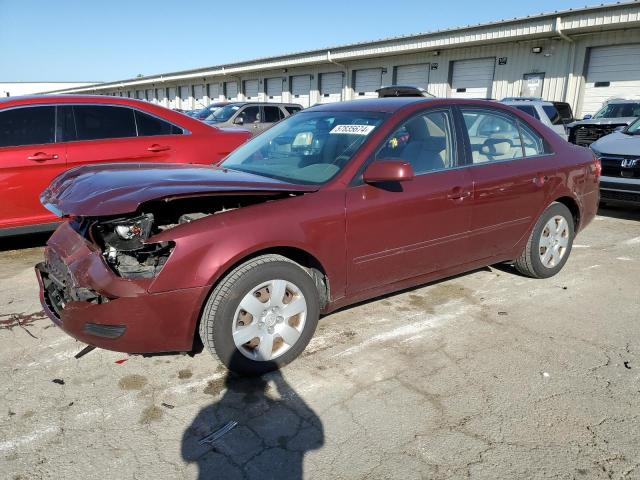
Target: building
<point>14,89</point>
<point>581,56</point>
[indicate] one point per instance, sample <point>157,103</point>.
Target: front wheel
<point>261,316</point>
<point>549,244</point>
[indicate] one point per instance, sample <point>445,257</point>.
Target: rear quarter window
<point>148,125</point>
<point>529,110</point>
<point>553,114</point>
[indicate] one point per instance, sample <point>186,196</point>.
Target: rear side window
<point>553,114</point>
<point>529,110</point>
<point>27,126</point>
<point>94,122</point>
<point>292,110</point>
<point>272,114</point>
<point>148,126</point>
<point>493,135</point>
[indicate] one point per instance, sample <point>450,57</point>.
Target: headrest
<point>496,146</point>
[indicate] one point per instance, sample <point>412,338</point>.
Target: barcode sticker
<point>353,129</point>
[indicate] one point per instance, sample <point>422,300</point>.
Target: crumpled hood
<point>603,121</point>
<point>114,189</point>
<point>618,143</point>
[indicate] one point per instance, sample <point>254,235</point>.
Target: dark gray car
<point>253,116</point>
<point>613,114</point>
<point>619,154</point>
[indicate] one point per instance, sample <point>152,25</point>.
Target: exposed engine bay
<point>123,239</point>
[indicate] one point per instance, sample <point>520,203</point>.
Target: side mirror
<point>388,171</point>
<point>239,120</point>
<point>587,117</point>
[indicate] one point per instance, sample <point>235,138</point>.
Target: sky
<point>74,40</point>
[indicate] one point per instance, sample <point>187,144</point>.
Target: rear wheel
<point>549,244</point>
<point>261,316</point>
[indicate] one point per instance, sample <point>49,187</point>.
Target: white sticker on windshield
<point>353,129</point>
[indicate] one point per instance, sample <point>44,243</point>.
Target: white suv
<point>556,115</point>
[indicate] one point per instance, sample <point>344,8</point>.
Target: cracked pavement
<point>486,375</point>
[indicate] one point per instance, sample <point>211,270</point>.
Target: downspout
<point>341,65</point>
<point>571,60</point>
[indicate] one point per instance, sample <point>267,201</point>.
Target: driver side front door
<point>400,231</point>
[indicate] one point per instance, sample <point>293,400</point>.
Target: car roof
<point>394,104</point>
<point>54,98</point>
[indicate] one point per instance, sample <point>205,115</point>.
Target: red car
<point>334,205</point>
<point>42,136</point>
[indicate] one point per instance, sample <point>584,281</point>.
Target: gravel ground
<point>486,375</point>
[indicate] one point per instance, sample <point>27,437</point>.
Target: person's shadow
<point>274,430</point>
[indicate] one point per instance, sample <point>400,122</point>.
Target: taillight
<point>597,166</point>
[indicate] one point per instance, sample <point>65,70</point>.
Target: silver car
<point>619,154</point>
<point>555,115</point>
<point>253,116</point>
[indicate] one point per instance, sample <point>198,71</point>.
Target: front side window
<point>95,122</point>
<point>272,114</point>
<point>425,142</point>
<point>148,126</point>
<point>250,114</point>
<point>27,126</point>
<point>306,148</point>
<point>634,128</point>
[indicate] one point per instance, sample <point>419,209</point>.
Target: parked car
<point>555,115</point>
<point>207,111</point>
<point>614,114</point>
<point>325,209</point>
<point>619,153</point>
<point>255,116</point>
<point>41,136</point>
<point>402,91</point>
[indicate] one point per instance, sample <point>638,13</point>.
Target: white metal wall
<point>564,64</point>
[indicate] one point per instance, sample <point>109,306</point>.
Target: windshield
<point>205,112</point>
<point>223,114</point>
<point>634,128</point>
<point>619,110</point>
<point>308,147</point>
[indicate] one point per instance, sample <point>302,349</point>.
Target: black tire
<point>529,263</point>
<point>218,314</point>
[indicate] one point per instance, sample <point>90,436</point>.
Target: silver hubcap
<point>554,241</point>
<point>269,320</point>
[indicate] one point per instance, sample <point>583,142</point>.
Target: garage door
<point>173,101</point>
<point>140,94</point>
<point>251,89</point>
<point>331,87</point>
<point>231,90</point>
<point>161,95</point>
<point>300,88</point>
<point>413,75</point>
<point>213,92</point>
<point>185,97</point>
<point>472,78</point>
<point>149,94</point>
<point>366,82</point>
<point>198,95</point>
<point>613,72</point>
<point>274,89</point>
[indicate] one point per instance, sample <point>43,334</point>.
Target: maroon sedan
<point>336,204</point>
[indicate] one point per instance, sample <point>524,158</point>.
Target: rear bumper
<point>107,311</point>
